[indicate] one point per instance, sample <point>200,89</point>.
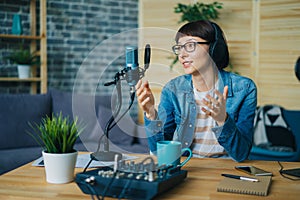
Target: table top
<point>204,174</point>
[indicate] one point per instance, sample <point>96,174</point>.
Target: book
<point>260,188</point>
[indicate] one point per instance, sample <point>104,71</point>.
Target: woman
<point>207,109</point>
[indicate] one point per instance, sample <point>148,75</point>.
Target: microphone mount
<point>122,75</point>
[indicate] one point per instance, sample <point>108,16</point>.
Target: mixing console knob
<point>90,180</point>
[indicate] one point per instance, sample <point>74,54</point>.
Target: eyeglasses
<point>189,47</point>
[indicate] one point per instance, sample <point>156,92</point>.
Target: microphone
<point>147,56</point>
<point>132,67</point>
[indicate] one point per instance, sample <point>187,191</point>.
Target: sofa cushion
<point>73,104</point>
<point>123,135</point>
<point>17,112</point>
<point>13,158</point>
<point>292,117</point>
<point>82,106</point>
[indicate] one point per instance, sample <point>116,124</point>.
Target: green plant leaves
<point>23,57</point>
<point>198,11</point>
<point>57,134</point>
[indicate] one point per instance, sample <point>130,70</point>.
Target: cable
<point>125,188</point>
<point>116,121</point>
<point>115,171</point>
<point>148,158</point>
<point>87,166</point>
<point>130,104</point>
<point>108,185</point>
<point>91,189</point>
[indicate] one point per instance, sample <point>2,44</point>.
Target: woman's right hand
<point>145,99</point>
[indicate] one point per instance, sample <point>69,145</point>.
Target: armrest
<point>256,151</point>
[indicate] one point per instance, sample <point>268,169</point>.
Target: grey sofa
<point>17,111</point>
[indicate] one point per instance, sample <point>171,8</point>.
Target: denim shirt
<point>177,112</point>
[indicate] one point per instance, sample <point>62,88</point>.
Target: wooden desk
<point>28,182</point>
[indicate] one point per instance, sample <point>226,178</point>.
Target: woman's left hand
<point>216,107</point>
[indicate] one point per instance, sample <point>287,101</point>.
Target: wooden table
<point>28,182</point>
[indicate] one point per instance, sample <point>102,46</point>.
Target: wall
<point>91,35</point>
<point>263,39</point>
<point>75,30</point>
<point>86,43</point>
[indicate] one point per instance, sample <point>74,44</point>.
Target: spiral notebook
<point>260,188</point>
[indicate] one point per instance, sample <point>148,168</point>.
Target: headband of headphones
<point>218,48</point>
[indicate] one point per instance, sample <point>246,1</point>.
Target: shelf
<point>38,43</point>
<point>9,79</point>
<point>27,37</point>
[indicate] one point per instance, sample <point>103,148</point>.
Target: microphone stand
<point>107,155</point>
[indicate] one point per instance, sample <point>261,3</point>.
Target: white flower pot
<point>24,71</point>
<point>59,168</point>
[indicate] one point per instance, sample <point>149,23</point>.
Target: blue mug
<point>169,153</point>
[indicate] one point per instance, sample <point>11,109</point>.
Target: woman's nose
<point>183,53</point>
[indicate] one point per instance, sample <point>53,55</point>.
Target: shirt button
<point>186,143</point>
<point>190,125</point>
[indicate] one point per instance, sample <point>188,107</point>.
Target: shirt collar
<point>187,86</point>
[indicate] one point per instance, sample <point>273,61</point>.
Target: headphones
<point>218,49</point>
<point>297,69</point>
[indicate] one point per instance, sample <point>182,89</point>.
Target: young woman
<point>208,109</point>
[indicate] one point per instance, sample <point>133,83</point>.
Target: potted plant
<point>24,60</point>
<point>58,134</point>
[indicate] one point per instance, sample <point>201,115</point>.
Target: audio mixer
<point>130,180</point>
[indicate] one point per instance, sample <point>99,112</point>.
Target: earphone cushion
<point>297,68</point>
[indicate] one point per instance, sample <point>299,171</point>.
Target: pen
<point>240,177</point>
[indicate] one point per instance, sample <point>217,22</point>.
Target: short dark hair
<point>206,30</point>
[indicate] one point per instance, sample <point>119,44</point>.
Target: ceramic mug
<point>169,153</point>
